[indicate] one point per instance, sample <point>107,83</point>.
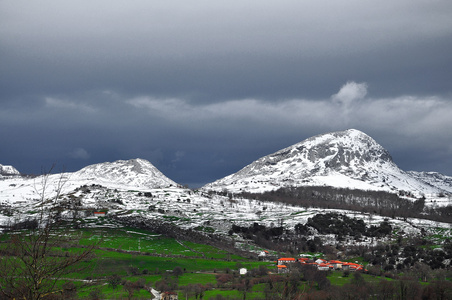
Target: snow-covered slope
<point>346,159</point>
<point>135,172</point>
<point>8,171</point>
<point>435,179</point>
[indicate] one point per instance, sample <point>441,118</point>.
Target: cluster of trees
<point>373,202</point>
<point>278,238</point>
<point>342,225</point>
<point>275,286</point>
<point>257,230</point>
<point>402,288</point>
<point>131,287</point>
<point>406,255</point>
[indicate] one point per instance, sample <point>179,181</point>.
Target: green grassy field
<point>138,255</point>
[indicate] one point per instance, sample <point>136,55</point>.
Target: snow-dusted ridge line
<point>134,172</point>
<point>124,188</point>
<point>347,159</point>
<point>8,171</point>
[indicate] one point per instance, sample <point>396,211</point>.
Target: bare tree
<point>32,260</point>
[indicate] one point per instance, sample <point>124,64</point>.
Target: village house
<point>352,267</point>
<point>243,271</point>
<point>282,269</point>
<point>303,260</point>
<point>286,260</point>
<point>324,267</point>
<point>168,296</point>
<point>336,264</point>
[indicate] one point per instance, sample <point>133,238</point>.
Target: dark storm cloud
<point>202,88</point>
<point>223,50</point>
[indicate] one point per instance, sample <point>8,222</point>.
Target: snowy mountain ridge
<point>22,193</point>
<point>134,172</point>
<point>135,189</point>
<point>345,159</point>
<point>8,171</point>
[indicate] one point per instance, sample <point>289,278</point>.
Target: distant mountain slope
<point>8,171</point>
<point>347,159</point>
<point>434,178</point>
<point>134,172</point>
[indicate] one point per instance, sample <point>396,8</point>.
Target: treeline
<point>342,225</point>
<point>373,202</point>
<point>257,229</point>
<point>276,238</point>
<point>303,237</point>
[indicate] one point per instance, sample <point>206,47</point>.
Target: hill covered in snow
<point>6,171</point>
<point>138,173</point>
<point>345,159</point>
<point>20,194</point>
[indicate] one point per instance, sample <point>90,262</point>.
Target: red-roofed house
<point>286,260</point>
<point>323,267</point>
<point>351,266</point>
<point>168,296</point>
<point>282,269</point>
<point>336,264</point>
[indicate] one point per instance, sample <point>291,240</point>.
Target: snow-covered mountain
<point>346,159</point>
<point>8,171</point>
<point>134,172</point>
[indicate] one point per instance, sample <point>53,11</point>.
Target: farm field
<point>138,255</point>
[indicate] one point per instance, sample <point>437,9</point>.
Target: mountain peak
<point>137,172</point>
<point>326,152</point>
<point>343,148</point>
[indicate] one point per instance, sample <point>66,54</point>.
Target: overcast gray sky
<point>202,88</point>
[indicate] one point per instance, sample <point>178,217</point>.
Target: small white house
<point>243,271</point>
<point>323,267</point>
